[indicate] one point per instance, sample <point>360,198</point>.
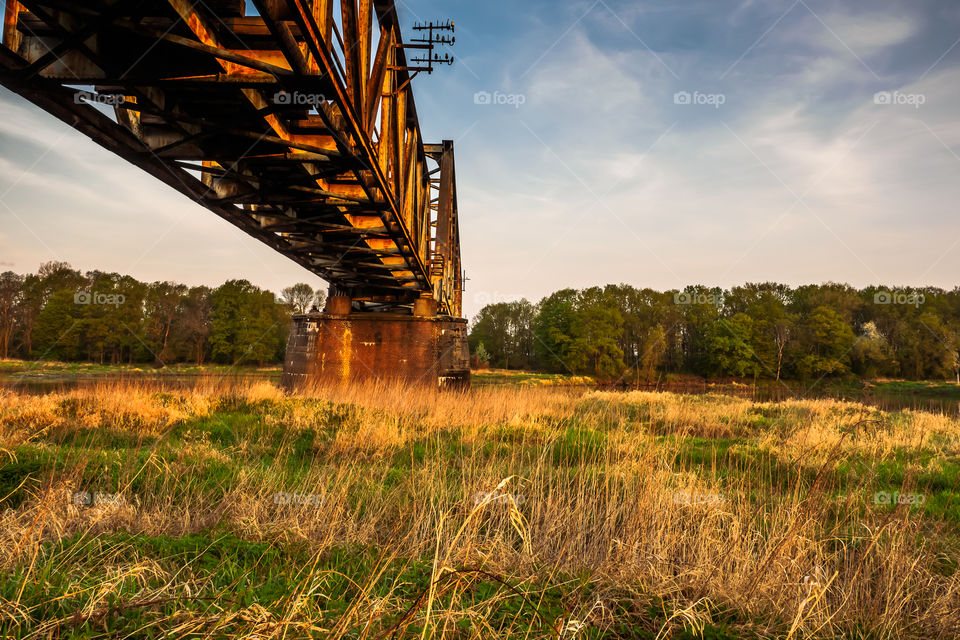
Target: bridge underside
<point>296,125</point>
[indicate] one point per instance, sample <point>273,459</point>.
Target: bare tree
<point>299,297</point>
<point>319,298</point>
<point>781,337</point>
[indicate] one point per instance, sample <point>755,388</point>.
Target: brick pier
<point>331,348</point>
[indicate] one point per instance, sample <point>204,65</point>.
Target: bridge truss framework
<point>297,126</point>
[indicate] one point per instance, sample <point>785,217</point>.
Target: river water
<point>773,392</point>
<point>761,393</point>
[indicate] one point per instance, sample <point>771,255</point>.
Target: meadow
<point>231,509</point>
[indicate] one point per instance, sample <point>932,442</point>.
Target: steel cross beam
<point>296,125</point>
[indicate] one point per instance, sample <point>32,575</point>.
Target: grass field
<point>28,369</point>
<point>528,511</point>
<point>512,377</point>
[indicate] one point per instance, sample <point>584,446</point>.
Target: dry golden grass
<point>534,486</point>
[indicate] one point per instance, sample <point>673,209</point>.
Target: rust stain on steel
<point>11,37</point>
<point>430,351</point>
<point>346,352</point>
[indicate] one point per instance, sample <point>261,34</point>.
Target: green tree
<point>699,309</point>
<point>57,331</point>
<point>654,348</point>
<point>553,330</point>
<point>934,352</point>
<point>481,353</point>
<point>844,300</point>
<point>506,331</point>
<point>953,353</point>
<point>193,327</point>
<point>646,338</point>
<point>11,289</point>
<point>163,307</point>
<point>870,352</point>
<point>597,328</point>
<point>824,344</point>
<point>246,324</point>
<point>771,322</point>
<point>38,289</point>
<point>580,332</point>
<point>729,350</point>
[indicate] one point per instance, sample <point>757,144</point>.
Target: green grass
<point>237,574</point>
<point>18,477</point>
<point>225,558</point>
<point>482,377</point>
<point>39,369</point>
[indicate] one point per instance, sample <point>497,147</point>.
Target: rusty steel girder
<point>297,126</point>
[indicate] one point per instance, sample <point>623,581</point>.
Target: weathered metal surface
<point>295,125</point>
<point>327,348</point>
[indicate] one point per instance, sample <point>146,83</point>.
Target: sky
<point>655,143</point>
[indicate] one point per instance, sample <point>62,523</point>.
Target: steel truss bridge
<point>297,125</point>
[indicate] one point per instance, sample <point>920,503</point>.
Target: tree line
<point>59,313</point>
<point>764,330</point>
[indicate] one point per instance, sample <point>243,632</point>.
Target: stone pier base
<point>329,348</point>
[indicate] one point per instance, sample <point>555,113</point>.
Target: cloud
<point>599,176</point>
<point>798,177</point>
<point>867,34</point>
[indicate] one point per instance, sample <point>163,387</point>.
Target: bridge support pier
<point>337,348</point>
